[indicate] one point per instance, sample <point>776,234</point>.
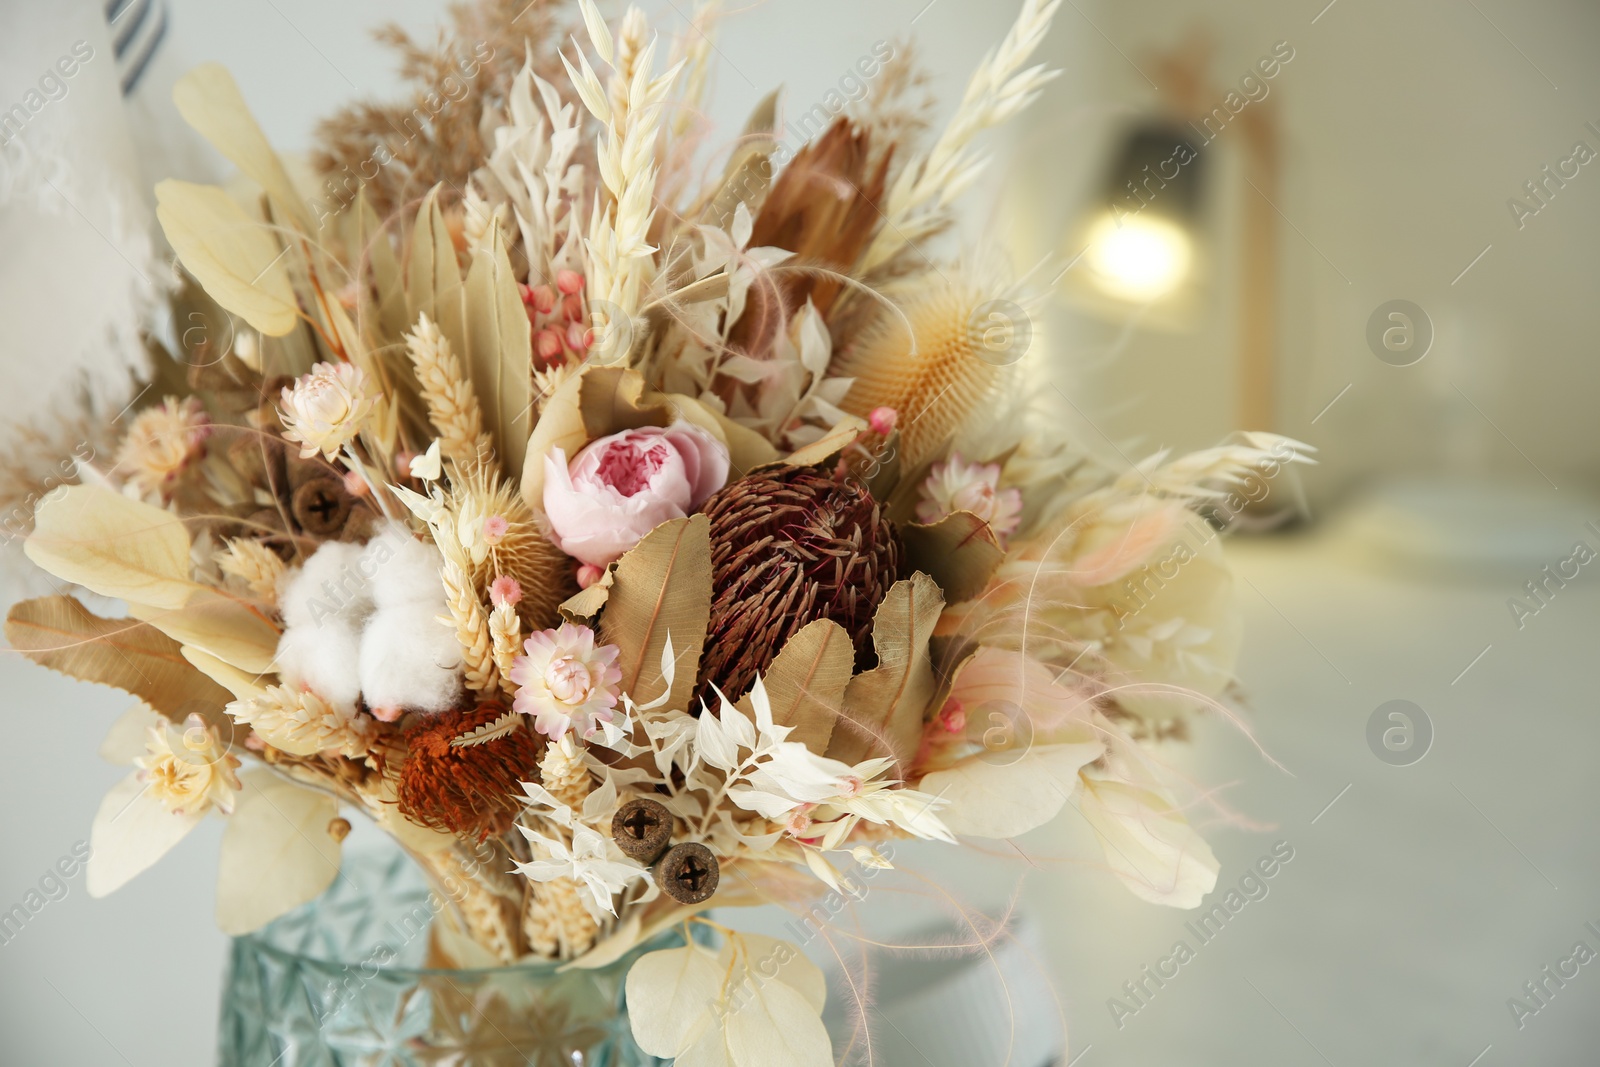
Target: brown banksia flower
<point>465,789</point>
<point>939,385</point>
<point>790,545</point>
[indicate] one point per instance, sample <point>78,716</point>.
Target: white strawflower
<point>301,723</point>
<point>189,772</point>
<point>324,410</point>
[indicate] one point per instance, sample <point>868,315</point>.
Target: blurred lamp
<point>1140,245</point>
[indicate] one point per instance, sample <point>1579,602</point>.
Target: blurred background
<point>1369,226</point>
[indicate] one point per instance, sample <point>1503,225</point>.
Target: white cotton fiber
<point>362,622</point>
<point>409,659</point>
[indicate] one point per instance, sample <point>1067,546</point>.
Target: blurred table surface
<point>1418,901</point>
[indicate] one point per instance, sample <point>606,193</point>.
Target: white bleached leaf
<point>991,799</point>
<point>669,995</point>
<point>713,744</point>
<point>277,852</point>
<point>132,830</point>
<point>786,963</point>
<point>778,1027</point>
<point>599,32</point>
<point>743,225</point>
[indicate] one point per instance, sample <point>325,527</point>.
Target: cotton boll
<point>405,570</point>
<point>324,659</point>
<point>409,659</point>
<point>328,584</point>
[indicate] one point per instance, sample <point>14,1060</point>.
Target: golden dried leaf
<point>887,704</point>
<point>111,544</point>
<point>60,633</point>
<point>234,257</point>
<point>500,351</point>
<point>828,445</point>
<point>582,607</point>
<point>370,241</point>
<point>960,552</point>
<point>662,586</point>
<point>242,684</point>
<point>209,100</point>
<point>806,682</point>
<point>226,628</point>
<point>747,449</point>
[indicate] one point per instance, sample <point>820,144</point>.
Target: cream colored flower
<point>301,723</point>
<point>956,485</point>
<point>565,681</point>
<point>189,772</point>
<point>161,442</point>
<point>325,409</point>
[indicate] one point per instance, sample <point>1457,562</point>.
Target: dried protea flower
<point>465,789</point>
<point>790,545</point>
<point>949,376</point>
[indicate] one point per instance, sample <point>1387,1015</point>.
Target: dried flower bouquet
<point>623,548</point>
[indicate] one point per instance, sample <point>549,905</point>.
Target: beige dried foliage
<point>563,773</point>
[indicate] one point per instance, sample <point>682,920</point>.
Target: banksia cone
<point>953,373</point>
<point>471,790</point>
<point>790,545</point>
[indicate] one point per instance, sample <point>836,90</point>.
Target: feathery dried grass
<point>919,200</point>
<point>425,145</point>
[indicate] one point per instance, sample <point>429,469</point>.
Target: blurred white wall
<point>1407,128</point>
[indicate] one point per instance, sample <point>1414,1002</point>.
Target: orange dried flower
<point>465,789</point>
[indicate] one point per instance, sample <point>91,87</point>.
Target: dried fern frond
<point>998,89</point>
<point>257,566</point>
<point>452,404</point>
<point>932,368</point>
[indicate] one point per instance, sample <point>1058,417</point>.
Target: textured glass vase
<point>340,982</point>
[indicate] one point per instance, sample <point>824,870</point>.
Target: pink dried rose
<point>956,485</point>
<point>619,488</point>
<point>565,681</point>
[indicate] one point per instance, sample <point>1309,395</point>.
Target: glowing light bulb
<point>1138,257</point>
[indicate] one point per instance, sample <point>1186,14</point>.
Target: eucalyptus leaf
<point>806,682</point>
<point>500,350</point>
<point>277,852</point>
<point>433,284</point>
<point>118,547</point>
<point>234,257</point>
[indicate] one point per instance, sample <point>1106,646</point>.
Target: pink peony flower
<point>619,488</point>
<point>956,485</point>
<point>565,681</point>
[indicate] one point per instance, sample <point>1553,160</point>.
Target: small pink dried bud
<point>549,345</point>
<point>578,337</point>
<point>569,282</point>
<point>505,592</point>
<point>525,292</point>
<point>543,299</point>
<point>402,462</point>
<point>882,420</point>
<point>572,309</point>
<point>799,820</point>
<point>588,574</point>
<point>387,714</point>
<point>255,744</point>
<point>355,484</point>
<point>494,529</point>
<point>953,717</point>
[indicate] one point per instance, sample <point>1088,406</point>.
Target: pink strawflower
<point>505,592</point>
<point>566,682</point>
<point>882,420</point>
<point>162,441</point>
<point>619,488</point>
<point>956,485</point>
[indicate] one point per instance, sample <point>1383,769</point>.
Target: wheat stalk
<point>472,628</point>
<point>696,64</point>
<point>555,920</point>
<point>505,635</point>
<point>257,566</point>
<point>998,89</point>
<point>452,404</point>
<point>629,110</point>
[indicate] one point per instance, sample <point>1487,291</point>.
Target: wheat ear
<point>472,628</point>
<point>555,920</point>
<point>452,405</point>
<point>505,636</point>
<point>257,566</point>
